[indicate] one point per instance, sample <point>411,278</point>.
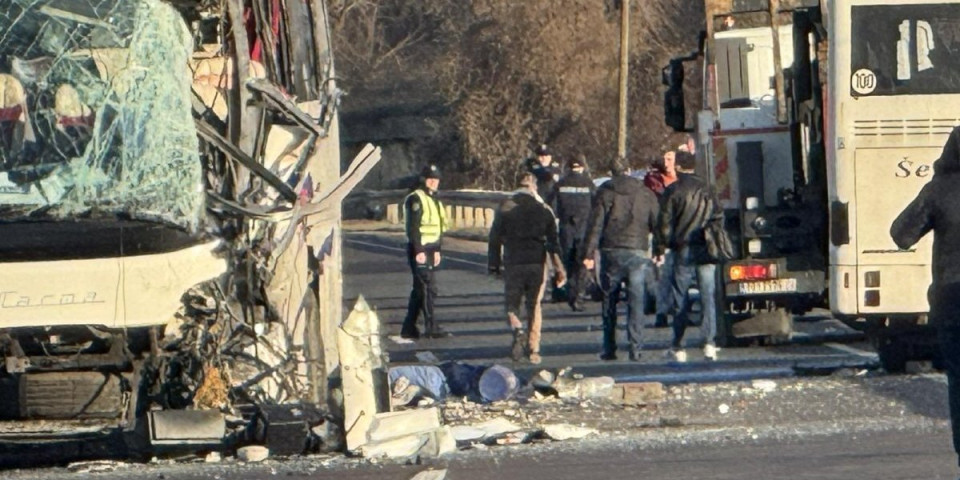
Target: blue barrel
<point>498,383</point>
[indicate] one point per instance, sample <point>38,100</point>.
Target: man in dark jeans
<point>527,232</point>
<point>687,205</point>
<point>624,214</point>
<point>425,225</point>
<point>573,195</point>
<point>937,208</point>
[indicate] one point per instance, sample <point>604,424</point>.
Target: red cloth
<point>10,114</point>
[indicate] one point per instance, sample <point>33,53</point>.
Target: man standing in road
<point>573,194</point>
<point>526,230</point>
<point>937,208</point>
<point>425,224</point>
<point>687,205</point>
<point>663,173</point>
<point>624,214</point>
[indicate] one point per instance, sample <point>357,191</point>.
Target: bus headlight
<point>754,246</point>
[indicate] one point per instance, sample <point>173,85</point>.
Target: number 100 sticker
<point>864,81</point>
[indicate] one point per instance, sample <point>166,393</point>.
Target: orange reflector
<point>738,272</point>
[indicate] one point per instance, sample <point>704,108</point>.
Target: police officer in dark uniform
<point>547,172</point>
<point>573,194</point>
<point>425,224</point>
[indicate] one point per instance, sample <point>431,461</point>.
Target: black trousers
<point>422,296</point>
<point>576,273</point>
<point>949,337</point>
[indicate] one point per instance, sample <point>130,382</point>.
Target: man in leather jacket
<point>687,205</point>
<point>624,214</point>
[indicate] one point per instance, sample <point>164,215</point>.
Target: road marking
<point>851,350</point>
<point>445,257</point>
<point>936,377</point>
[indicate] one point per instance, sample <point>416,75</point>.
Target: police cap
<point>430,171</point>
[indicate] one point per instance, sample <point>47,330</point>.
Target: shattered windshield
<point>95,112</point>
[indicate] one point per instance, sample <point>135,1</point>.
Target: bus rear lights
<point>872,279</point>
<point>753,272</point>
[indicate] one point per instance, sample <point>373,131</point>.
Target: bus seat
<point>70,111</point>
<point>218,71</point>
<point>213,98</point>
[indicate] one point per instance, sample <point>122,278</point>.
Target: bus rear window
<point>905,49</point>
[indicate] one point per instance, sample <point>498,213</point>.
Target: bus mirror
<point>674,114</point>
<point>672,74</point>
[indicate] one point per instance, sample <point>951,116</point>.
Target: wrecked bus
<point>169,197</point>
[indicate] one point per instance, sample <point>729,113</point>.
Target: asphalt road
<point>470,307</point>
<point>882,456</point>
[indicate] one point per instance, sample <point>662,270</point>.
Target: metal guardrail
<point>464,208</point>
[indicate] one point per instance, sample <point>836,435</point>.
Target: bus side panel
<point>71,292</point>
<point>154,284</point>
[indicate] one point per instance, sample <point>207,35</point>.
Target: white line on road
<point>851,350</point>
<point>445,256</point>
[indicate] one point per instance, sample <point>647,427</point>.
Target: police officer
<point>573,194</point>
<point>425,224</point>
<point>547,172</point>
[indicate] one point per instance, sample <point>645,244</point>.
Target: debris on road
<point>563,431</point>
<point>637,394</point>
<point>364,373</point>
<point>568,385</point>
<point>498,383</point>
<point>408,433</point>
<point>253,453</point>
<point>95,466</point>
<point>492,428</point>
<point>430,475</point>
<point>427,356</point>
<point>763,385</point>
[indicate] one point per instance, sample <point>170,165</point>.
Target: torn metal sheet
<point>366,390</point>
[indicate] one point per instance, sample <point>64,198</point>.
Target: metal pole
<point>624,65</point>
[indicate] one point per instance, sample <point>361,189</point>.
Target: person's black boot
<point>519,349</point>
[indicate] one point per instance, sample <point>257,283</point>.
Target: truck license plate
<point>779,285</point>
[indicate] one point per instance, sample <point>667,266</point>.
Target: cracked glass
<point>95,112</point>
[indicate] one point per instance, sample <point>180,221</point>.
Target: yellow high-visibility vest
<point>433,221</point>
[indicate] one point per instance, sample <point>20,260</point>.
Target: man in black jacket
<point>527,232</point>
<point>687,205</point>
<point>624,214</point>
<point>937,208</point>
<point>573,194</point>
<point>425,224</point>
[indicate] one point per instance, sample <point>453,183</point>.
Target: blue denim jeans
<point>633,267</point>
<point>665,300</point>
<point>686,273</point>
